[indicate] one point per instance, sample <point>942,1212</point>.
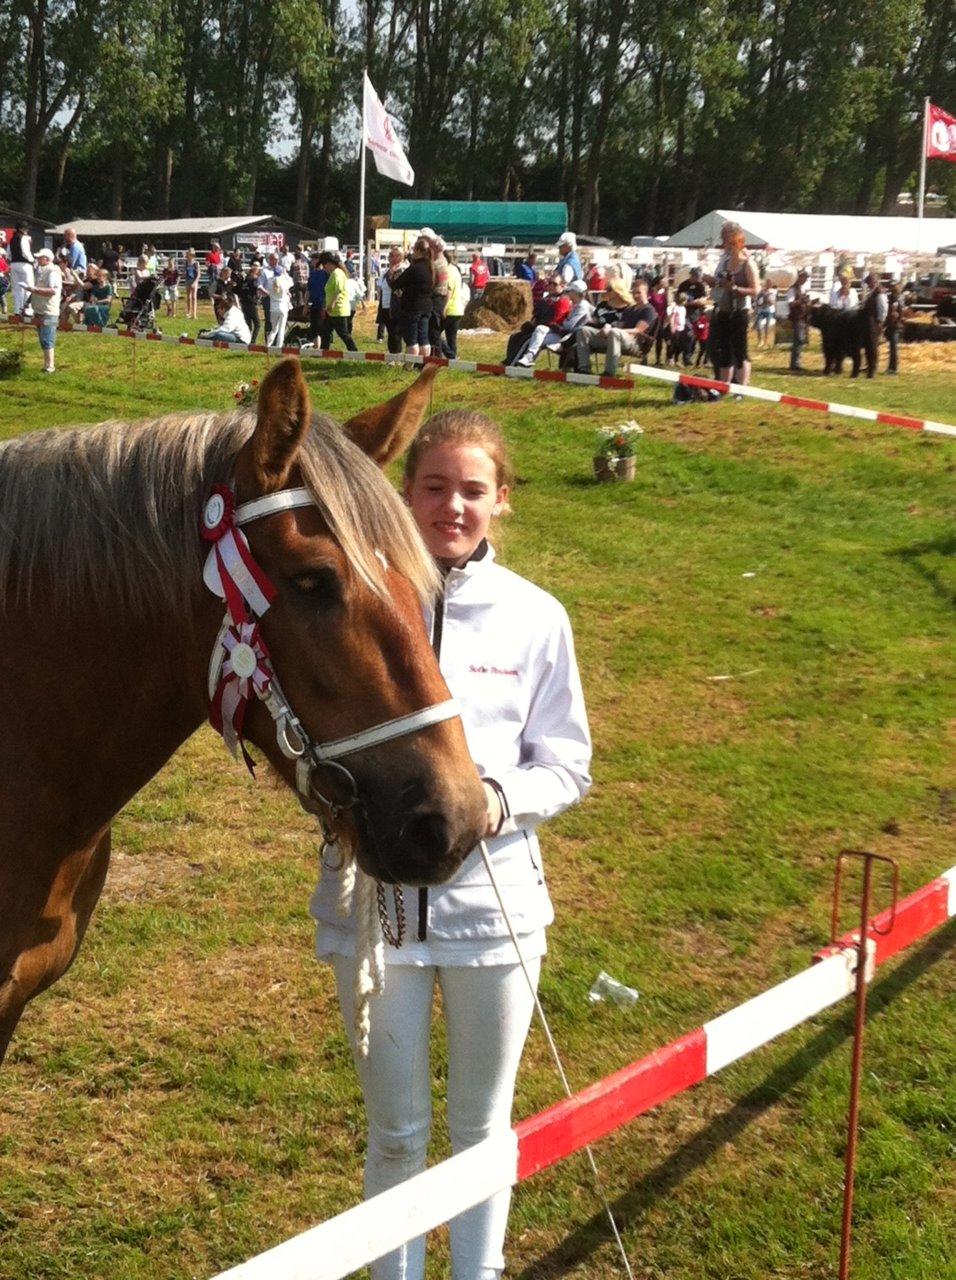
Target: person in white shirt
<point>233,327</point>
<point>506,651</point>
<point>287,259</point>
<point>766,307</point>
<point>267,273</point>
<point>554,337</point>
<point>843,297</point>
<point>45,294</point>
<point>280,303</point>
<point>677,332</point>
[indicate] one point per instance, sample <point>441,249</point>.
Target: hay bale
<point>504,306</point>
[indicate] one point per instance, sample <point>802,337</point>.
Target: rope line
<point>542,1018</point>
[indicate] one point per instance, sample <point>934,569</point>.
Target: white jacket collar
<point>483,555</point>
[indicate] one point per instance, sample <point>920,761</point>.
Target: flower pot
<point>608,469</point>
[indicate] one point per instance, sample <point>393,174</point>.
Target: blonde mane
<point>110,514</point>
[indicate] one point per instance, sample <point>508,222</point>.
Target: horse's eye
<point>320,587</point>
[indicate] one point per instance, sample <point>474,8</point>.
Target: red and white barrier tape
<point>521,374</point>
<point>351,1240</point>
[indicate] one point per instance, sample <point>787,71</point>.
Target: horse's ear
<point>284,417</point>
<point>384,431</point>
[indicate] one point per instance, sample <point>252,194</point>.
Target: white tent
<point>819,233</point>
<point>146,228</point>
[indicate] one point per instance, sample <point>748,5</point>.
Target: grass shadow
<point>671,1172</point>
<point>911,556</point>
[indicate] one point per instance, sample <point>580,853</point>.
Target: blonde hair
<point>462,427</point>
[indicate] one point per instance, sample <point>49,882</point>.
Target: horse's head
<point>346,633</point>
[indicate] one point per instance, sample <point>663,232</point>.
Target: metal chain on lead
<point>393,939</point>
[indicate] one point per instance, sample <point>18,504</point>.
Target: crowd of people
<point>579,309</point>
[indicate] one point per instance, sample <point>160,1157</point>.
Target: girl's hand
<point>495,812</point>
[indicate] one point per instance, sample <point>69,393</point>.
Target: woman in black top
<point>248,294</point>
<point>416,285</point>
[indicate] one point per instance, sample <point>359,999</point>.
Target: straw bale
<point>504,306</point>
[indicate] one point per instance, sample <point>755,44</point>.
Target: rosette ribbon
<point>246,670</point>
<point>231,571</point>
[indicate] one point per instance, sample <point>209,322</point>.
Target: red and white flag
<point>940,134</point>
<point>381,138</point>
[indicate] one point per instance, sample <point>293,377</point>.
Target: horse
<point>114,565</point>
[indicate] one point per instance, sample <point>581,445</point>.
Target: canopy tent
<point>531,220</point>
<point>818,232</point>
<point>166,232</point>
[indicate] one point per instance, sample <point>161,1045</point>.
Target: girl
<point>170,286</point>
<point>766,303</point>
<point>454,309</point>
<point>506,651</point>
<point>97,309</point>
<point>659,297</point>
<point>191,277</point>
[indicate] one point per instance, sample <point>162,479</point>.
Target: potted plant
<point>246,393</point>
<point>614,457</point>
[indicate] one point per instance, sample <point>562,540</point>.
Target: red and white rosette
<point>231,571</point>
<point>245,671</point>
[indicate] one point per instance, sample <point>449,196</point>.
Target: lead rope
<point>355,887</point>
<point>598,1182</point>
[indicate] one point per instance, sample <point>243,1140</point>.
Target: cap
<point>577,286</point>
<point>43,252</point>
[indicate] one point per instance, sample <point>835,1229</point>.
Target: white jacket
<point>507,653</point>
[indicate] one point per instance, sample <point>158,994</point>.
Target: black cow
<point>847,335</point>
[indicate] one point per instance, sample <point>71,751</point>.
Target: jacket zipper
<point>438,625</point>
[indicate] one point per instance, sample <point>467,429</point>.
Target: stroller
<point>139,310</point>
<point>299,330</point>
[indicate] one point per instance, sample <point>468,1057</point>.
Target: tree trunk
<point>116,191</point>
<point>304,164</point>
<point>322,172</point>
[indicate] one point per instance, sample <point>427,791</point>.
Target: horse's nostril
<point>425,838</point>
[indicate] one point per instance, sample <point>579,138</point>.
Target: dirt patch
<point>141,877</point>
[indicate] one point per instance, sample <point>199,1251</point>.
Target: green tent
<point>527,220</point>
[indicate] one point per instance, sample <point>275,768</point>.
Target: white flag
<point>382,140</point>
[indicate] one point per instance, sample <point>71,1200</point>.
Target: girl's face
<point>453,496</point>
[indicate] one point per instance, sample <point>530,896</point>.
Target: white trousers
<point>487,1016</point>
<point>21,273</point>
<point>542,336</point>
<point>277,331</point>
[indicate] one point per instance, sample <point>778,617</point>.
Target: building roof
<point>530,220</point>
<point>818,232</point>
<point>161,226</point>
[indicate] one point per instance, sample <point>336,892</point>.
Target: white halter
<point>240,662</point>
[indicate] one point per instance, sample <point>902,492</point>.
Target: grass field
<point>184,1097</point>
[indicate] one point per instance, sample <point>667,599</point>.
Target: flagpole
<point>361,225</point>
<point>922,179</point>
